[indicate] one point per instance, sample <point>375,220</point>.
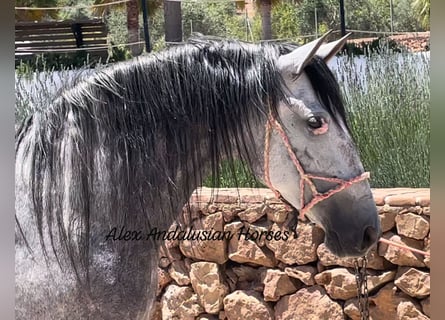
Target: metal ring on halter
<point>305,178</point>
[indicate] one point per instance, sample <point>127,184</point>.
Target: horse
<point>127,145</point>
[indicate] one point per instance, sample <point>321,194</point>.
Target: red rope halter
<point>305,178</point>
<point>272,124</point>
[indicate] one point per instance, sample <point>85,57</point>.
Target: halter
<point>272,124</point>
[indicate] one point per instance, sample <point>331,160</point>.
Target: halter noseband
<point>271,124</point>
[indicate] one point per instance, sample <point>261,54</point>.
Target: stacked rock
<point>238,259</point>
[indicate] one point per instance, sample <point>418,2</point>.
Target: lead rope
<point>361,279</point>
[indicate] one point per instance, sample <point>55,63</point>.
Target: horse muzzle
<point>351,227</point>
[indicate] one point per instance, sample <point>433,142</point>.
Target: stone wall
<point>274,278</point>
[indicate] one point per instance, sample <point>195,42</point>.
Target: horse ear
<point>298,58</point>
<point>329,50</point>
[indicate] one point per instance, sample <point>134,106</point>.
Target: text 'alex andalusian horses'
<point>129,144</point>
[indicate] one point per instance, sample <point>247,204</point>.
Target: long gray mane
<point>102,150</point>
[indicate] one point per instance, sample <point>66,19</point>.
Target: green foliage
<point>285,21</point>
<point>36,3</point>
<point>35,88</point>
<point>422,9</point>
<point>256,28</point>
<point>75,13</point>
<point>35,15</point>
<point>406,19</point>
<point>156,27</point>
<point>57,61</point>
<point>388,104</point>
<point>293,18</point>
<point>306,15</point>
<point>375,15</point>
<point>117,26</point>
<point>290,18</point>
<point>361,15</point>
<point>232,176</point>
<point>216,19</point>
<point>388,111</point>
<point>120,53</point>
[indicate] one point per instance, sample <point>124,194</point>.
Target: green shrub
<point>388,105</point>
<point>388,108</point>
<point>232,176</point>
<point>213,19</point>
<point>37,89</point>
<point>58,61</point>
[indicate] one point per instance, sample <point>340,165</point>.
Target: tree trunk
<point>266,21</point>
<point>133,27</point>
<point>173,21</point>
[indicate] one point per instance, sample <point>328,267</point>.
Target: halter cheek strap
<point>305,178</point>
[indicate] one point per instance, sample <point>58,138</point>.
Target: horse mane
<point>101,150</point>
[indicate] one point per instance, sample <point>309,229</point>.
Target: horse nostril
<point>369,237</point>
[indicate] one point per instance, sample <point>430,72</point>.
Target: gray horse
<point>127,146</point>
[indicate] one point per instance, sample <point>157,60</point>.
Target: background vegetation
<point>289,19</point>
<point>388,109</point>
<point>387,97</point>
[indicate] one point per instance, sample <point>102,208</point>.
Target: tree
<point>35,15</point>
<point>422,7</point>
<point>132,8</point>
<point>405,18</point>
<point>215,19</point>
<point>285,21</point>
<point>368,15</point>
<point>132,12</point>
<point>266,20</point>
<point>328,16</point>
<point>172,20</point>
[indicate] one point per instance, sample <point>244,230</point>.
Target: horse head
<point>310,158</point>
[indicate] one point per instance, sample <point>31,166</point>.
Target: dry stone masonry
<point>268,274</point>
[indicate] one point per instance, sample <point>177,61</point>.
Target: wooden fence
<point>33,38</point>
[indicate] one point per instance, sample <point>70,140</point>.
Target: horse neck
<point>200,164</point>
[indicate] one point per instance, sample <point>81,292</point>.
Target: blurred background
<point>383,72</point>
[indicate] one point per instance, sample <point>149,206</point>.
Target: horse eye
<point>315,122</point>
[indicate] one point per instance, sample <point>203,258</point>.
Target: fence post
<point>391,12</point>
<point>342,18</point>
<point>316,23</point>
<point>145,22</point>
